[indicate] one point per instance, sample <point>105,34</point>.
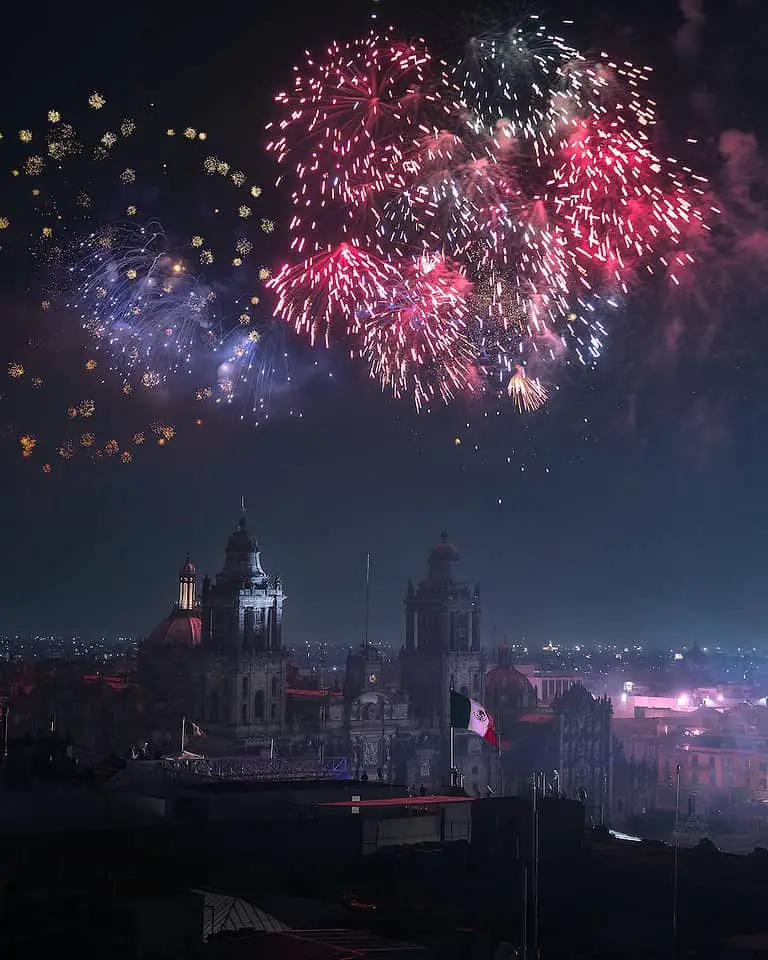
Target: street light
<point>676,864</point>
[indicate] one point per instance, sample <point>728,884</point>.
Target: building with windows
<point>720,770</point>
<point>224,653</point>
<point>547,685</point>
<point>243,676</point>
<point>220,658</point>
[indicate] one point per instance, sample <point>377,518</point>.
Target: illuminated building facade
<point>723,770</point>
<point>243,688</point>
<point>391,720</point>
<point>442,638</point>
<point>584,750</point>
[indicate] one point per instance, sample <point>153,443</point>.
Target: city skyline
<point>628,510</point>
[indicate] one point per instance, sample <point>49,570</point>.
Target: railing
<point>258,768</point>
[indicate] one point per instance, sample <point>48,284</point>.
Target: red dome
<point>188,568</point>
<point>181,630</point>
<point>508,690</point>
<point>509,679</point>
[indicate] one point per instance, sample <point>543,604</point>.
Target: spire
<point>442,560</point>
<point>242,508</point>
<point>187,586</point>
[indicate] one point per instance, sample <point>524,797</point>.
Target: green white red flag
<point>470,715</point>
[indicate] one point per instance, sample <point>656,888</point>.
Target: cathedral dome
<point>509,680</point>
<point>188,569</point>
<point>180,631</point>
<point>443,551</point>
<point>509,690</point>
<point>243,559</point>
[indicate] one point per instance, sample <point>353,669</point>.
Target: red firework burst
<point>356,110</point>
<point>564,202</point>
<point>617,202</point>
<point>320,295</point>
<point>414,337</point>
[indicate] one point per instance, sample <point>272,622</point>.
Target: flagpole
<point>535,867</point>
<point>524,918</point>
<point>498,763</point>
<point>183,725</point>
<point>675,875</point>
<point>452,743</point>
<point>6,712</point>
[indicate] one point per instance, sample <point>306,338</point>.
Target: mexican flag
<point>468,714</point>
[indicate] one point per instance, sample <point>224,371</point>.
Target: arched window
<point>244,713</point>
<point>258,705</point>
<point>249,620</point>
<point>273,688</point>
<point>246,686</point>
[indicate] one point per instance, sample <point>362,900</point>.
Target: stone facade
<point>244,664</point>
<point>222,663</point>
<point>585,750</point>
<point>391,720</point>
<point>395,723</point>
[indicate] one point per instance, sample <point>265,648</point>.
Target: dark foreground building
<point>356,866</point>
<point>303,870</point>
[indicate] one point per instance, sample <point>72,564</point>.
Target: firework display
<point>419,325</point>
<point>148,241</point>
<point>463,231</point>
<point>81,430</point>
<point>467,230</point>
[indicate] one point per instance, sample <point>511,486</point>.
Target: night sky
<point>631,510</point>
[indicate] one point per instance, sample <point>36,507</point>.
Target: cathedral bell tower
<point>187,599</point>
<point>442,637</point>
<point>242,618</point>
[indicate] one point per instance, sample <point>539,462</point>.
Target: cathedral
<point>243,669</point>
<point>219,658</point>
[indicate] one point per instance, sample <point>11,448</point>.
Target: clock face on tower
<point>371,678</point>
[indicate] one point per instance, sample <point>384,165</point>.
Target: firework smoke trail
<point>154,306</point>
<point>136,298</point>
<point>255,369</point>
<point>529,166</point>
